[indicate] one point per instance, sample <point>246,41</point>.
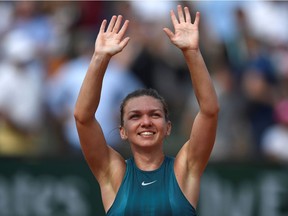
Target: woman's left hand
<point>186,36</point>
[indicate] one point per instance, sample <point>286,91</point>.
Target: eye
<point>134,116</point>
<point>156,115</point>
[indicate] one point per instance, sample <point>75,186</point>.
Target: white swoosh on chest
<point>147,183</point>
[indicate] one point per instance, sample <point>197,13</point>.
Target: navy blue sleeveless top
<point>150,193</point>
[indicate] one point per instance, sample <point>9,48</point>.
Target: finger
<point>180,14</point>
<point>117,24</point>
<point>103,25</point>
<point>197,19</point>
<point>173,18</point>
<point>111,24</point>
<point>168,32</point>
<point>124,42</point>
<point>123,29</point>
<point>187,15</point>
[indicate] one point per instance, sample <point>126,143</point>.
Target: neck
<point>148,161</point>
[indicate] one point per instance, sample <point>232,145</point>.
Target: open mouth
<point>146,133</point>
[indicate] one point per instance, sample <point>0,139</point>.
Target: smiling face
<point>144,122</point>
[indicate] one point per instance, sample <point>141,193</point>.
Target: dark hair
<point>144,92</point>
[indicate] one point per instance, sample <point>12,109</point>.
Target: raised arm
<point>98,155</point>
<point>195,154</point>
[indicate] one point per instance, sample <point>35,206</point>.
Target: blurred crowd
<point>46,49</point>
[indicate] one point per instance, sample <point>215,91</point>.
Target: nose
<point>146,121</point>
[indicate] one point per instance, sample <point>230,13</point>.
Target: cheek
<point>163,125</point>
<point>129,126</point>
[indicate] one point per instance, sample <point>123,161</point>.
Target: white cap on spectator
<point>152,10</point>
<point>18,46</point>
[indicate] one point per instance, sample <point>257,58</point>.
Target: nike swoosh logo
<point>147,183</point>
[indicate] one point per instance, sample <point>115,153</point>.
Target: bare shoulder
<point>110,183</point>
<point>181,164</point>
<point>115,170</point>
<point>107,165</point>
<point>188,181</point>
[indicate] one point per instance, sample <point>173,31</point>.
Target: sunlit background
<point>45,50</point>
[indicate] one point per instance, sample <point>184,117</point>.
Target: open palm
<point>186,36</point>
<point>111,41</point>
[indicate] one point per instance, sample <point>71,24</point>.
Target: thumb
<point>168,32</point>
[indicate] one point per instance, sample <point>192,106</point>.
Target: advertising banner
<point>66,187</point>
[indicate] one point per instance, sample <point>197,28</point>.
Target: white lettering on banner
<point>26,195</point>
<point>250,197</point>
<point>221,199</point>
<point>270,198</point>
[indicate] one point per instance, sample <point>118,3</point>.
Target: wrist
<point>189,52</point>
<point>98,56</point>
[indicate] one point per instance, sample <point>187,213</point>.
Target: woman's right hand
<point>111,42</point>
